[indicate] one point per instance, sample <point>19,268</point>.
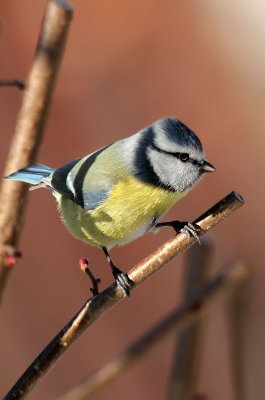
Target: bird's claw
<point>184,227</point>
<point>122,280</point>
<point>191,230</point>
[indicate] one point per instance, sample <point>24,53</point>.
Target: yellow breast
<point>127,213</point>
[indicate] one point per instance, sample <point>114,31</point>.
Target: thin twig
<point>189,313</point>
<point>186,358</point>
<point>98,305</point>
<point>30,126</point>
<point>95,281</point>
<point>13,82</point>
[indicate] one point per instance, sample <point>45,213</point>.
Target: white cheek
<point>173,172</point>
<point>166,167</point>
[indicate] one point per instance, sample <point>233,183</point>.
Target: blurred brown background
<point>128,63</point>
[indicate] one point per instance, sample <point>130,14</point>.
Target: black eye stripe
<point>176,155</point>
<point>184,157</point>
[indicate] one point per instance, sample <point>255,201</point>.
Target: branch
<point>188,314</point>
<point>30,126</point>
<point>96,306</point>
<point>187,355</point>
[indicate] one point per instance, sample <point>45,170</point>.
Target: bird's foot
<point>184,227</point>
<point>122,280</point>
<point>191,230</point>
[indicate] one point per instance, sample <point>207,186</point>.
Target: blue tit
<point>121,191</point>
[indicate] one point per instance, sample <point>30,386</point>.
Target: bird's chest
<point>131,208</point>
<point>128,213</point>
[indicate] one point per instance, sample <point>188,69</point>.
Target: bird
<point>120,192</point>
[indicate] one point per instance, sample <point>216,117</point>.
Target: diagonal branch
<point>96,306</point>
<point>30,126</point>
<point>186,315</point>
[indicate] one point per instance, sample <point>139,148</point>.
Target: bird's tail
<point>34,174</point>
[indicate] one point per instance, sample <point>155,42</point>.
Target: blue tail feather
<point>33,174</point>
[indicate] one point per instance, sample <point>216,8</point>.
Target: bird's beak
<point>207,167</point>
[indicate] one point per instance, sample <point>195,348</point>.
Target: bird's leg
<point>180,226</point>
<point>120,277</point>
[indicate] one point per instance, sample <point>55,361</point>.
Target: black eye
<point>184,157</point>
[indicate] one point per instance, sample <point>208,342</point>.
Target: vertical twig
<point>188,346</point>
<point>236,319</point>
<point>30,126</point>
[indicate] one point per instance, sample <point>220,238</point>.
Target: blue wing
<point>76,182</point>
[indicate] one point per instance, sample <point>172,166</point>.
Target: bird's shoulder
<point>88,180</point>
